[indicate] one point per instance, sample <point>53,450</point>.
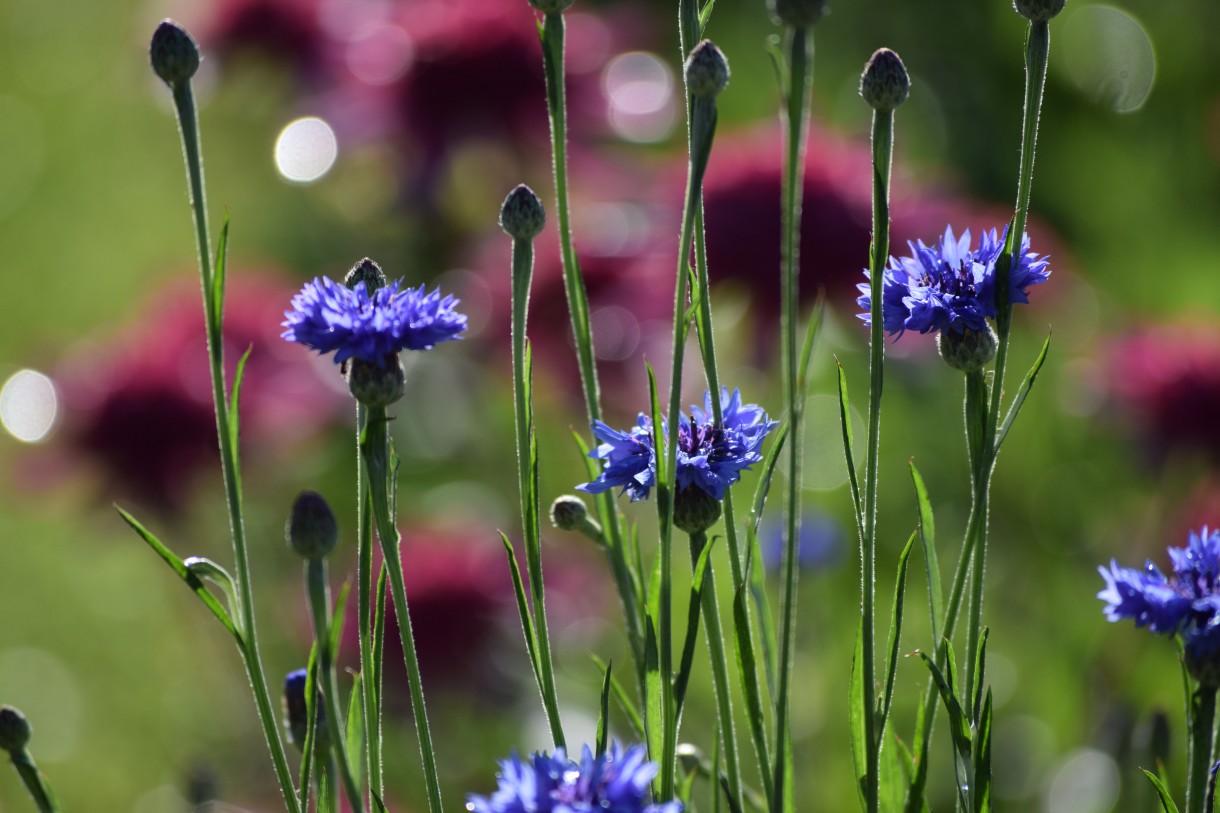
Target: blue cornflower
<point>710,457</point>
<point>616,782</point>
<point>950,287</point>
<point>329,317</point>
<point>296,716</point>
<point>1186,603</point>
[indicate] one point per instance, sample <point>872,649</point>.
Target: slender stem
<point>34,782</point>
<point>800,41</point>
<point>720,668</point>
<point>318,589</point>
<point>578,308</point>
<point>883,143</point>
<point>370,687</point>
<point>188,125</point>
<point>375,450</point>
<point>1203,706</point>
<point>527,478</point>
<point>978,442</point>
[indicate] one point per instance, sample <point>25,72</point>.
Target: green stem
<point>527,478</point>
<point>370,686</point>
<point>883,144</point>
<point>1203,714</point>
<point>188,125</point>
<point>375,450</point>
<point>720,668</point>
<point>34,782</point>
<point>799,71</point>
<point>978,425</point>
<point>578,308</point>
<point>319,604</point>
<point>328,785</point>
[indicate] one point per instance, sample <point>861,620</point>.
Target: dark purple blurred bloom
<point>286,31</point>
<point>616,782</point>
<point>327,316</point>
<point>710,457</point>
<point>950,287</point>
<point>1168,378</point>
<point>821,542</point>
<point>139,406</point>
<point>1186,603</point>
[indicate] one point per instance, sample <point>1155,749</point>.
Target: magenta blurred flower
<point>280,31</point>
<point>1167,379</point>
<point>138,408</point>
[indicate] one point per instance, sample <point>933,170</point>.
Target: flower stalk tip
<point>15,730</point>
<point>173,53</point>
<point>798,13</point>
<point>521,215</point>
<point>885,83</point>
<point>311,530</point>
<point>369,273</point>
<point>1038,11</point>
<point>707,71</point>
<point>569,513</point>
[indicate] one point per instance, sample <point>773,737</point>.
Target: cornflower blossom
<point>1185,604</point>
<point>949,287</point>
<point>710,457</point>
<point>615,782</point>
<point>329,317</point>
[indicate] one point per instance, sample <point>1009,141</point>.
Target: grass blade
<point>927,536</point>
<point>603,718</point>
<point>1022,392</point>
<point>624,702</point>
<point>848,443</point>
<point>891,662</point>
<point>527,620</point>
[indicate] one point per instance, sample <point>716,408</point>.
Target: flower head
<point>950,287</point>
<point>615,782</point>
<point>710,457</point>
<point>329,317</point>
<point>1186,603</point>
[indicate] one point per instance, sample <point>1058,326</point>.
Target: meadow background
<point>137,699</point>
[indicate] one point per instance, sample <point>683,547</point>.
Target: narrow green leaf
<point>378,803</point>
<point>326,794</point>
<point>748,669</point>
<point>1022,392</point>
<point>845,420</point>
<point>654,722</point>
<point>812,328</point>
<point>379,614</point>
<point>218,278</point>
<point>355,732</point>
<point>764,480</point>
<point>891,661</point>
<point>624,701</point>
<point>927,537</point>
<point>603,717</point>
<point>858,716</point>
<point>527,620</point>
<point>184,573</point>
<point>756,576</point>
<point>217,575</point>
<point>779,63</point>
<point>959,728</point>
<point>336,623</point>
<point>982,758</point>
<point>658,440</point>
<point>693,614</point>
<point>892,779</point>
<point>726,792</point>
<point>705,14</point>
<point>311,727</point>
<point>980,666</point>
<point>590,463</point>
<point>1167,803</point>
<point>234,427</point>
<point>915,793</point>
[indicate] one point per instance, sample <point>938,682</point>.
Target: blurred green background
<point>137,699</point>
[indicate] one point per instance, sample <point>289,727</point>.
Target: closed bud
<point>369,273</point>
<point>14,730</point>
<point>798,13</point>
<point>551,6</point>
<point>376,385</point>
<point>885,83</point>
<point>311,530</point>
<point>1038,11</point>
<point>707,71</point>
<point>521,215</point>
<point>297,715</point>
<point>173,53</point>
<point>695,510</point>
<point>569,513</point>
<point>969,350</point>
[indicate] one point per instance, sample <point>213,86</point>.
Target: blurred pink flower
<point>1166,378</point>
<point>281,31</point>
<point>138,407</point>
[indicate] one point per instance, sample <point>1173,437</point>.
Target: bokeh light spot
<point>1109,57</point>
<point>1086,782</point>
<point>379,54</point>
<point>28,406</point>
<point>306,150</point>
<point>639,91</point>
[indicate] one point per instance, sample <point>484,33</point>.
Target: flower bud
<point>798,13</point>
<point>885,83</point>
<point>369,273</point>
<point>14,730</point>
<point>1038,11</point>
<point>376,385</point>
<point>521,215</point>
<point>695,510</point>
<point>569,513</point>
<point>969,350</point>
<point>707,71</point>
<point>296,715</point>
<point>311,530</point>
<point>173,53</point>
<point>551,6</point>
